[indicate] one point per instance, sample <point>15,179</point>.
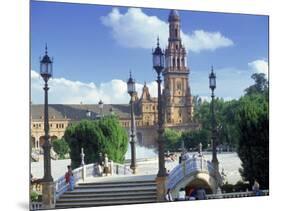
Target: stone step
<point>115,185</point>
<point>109,190</point>
<point>108,194</point>
<point>118,182</point>
<point>108,198</point>
<point>104,203</point>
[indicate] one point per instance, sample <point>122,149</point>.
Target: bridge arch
<point>54,137</point>
<point>194,172</point>
<point>41,141</point>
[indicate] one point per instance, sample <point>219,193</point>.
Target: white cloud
<point>136,29</point>
<point>65,91</point>
<point>259,66</point>
<point>200,40</point>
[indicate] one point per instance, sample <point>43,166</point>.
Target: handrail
<point>120,169</point>
<point>60,184</point>
<point>87,171</point>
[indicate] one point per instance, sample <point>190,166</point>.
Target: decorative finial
<point>212,68</point>
<point>46,49</point>
<point>130,73</point>
<point>144,83</point>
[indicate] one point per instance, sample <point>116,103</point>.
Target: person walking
<point>256,188</point>
<point>201,194</point>
<point>69,178</point>
<point>181,195</point>
<point>168,196</point>
<point>192,194</point>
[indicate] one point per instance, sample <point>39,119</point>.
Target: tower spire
<point>158,41</point>
<point>46,49</point>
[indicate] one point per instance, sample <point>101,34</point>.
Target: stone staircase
<point>109,193</point>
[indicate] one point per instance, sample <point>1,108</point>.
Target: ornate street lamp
<point>48,198</point>
<point>158,65</point>
<point>46,72</point>
<point>131,91</point>
<point>212,85</point>
<point>101,107</point>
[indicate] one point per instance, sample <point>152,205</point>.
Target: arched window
<point>182,61</point>
<point>178,62</point>
<point>176,33</point>
<point>174,62</point>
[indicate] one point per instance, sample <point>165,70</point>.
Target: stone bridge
<point>194,172</point>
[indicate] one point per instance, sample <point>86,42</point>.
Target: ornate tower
<point>177,97</point>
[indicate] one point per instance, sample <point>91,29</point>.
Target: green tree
<point>225,114</point>
<point>105,135</point>
<point>193,138</point>
<point>61,147</point>
<point>254,139</point>
<point>172,140</point>
<point>260,86</point>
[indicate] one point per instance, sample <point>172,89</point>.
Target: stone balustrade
<point>237,194</point>
<point>35,205</point>
<point>188,167</point>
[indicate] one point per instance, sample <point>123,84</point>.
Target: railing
<point>120,169</point>
<point>61,186</point>
<point>237,194</point>
<point>90,170</point>
<point>190,166</point>
<point>35,205</point>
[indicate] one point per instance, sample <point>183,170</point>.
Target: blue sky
<point>94,47</point>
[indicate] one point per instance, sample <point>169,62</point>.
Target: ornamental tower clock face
<point>177,96</point>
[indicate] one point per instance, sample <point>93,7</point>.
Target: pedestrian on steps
<point>69,178</point>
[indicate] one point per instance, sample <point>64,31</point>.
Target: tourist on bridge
<point>168,196</point>
<point>201,194</point>
<point>181,195</point>
<point>69,178</point>
<point>192,194</point>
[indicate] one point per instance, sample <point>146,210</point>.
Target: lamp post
<point>46,71</point>
<point>158,65</point>
<point>212,85</point>
<point>101,107</point>
<point>131,91</point>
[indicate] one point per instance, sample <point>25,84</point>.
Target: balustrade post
<point>84,172</point>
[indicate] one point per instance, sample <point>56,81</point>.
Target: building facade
<point>176,98</point>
